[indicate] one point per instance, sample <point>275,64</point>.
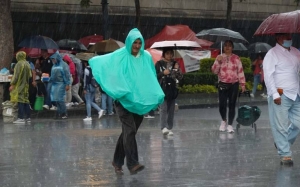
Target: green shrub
<point>246,62</point>
<point>198,89</point>
<point>206,64</point>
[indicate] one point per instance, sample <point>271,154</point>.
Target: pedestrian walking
<point>281,73</point>
<point>89,91</point>
<point>128,76</point>
<point>19,88</point>
<point>60,81</point>
<point>168,70</point>
<point>257,73</point>
<point>229,69</point>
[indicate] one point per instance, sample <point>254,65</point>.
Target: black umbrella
<point>259,47</point>
<point>236,46</point>
<point>68,44</point>
<point>40,42</point>
<point>221,34</point>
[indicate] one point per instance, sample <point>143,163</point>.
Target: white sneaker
<point>262,94</point>
<point>19,121</point>
<point>28,120</point>
<point>230,129</point>
<point>165,131</point>
<point>223,126</point>
<point>46,107</point>
<point>87,119</point>
<point>100,113</point>
<point>170,133</point>
<point>149,117</point>
<point>251,95</point>
<point>53,108</point>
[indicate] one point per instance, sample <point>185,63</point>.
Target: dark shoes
<point>118,170</point>
<point>286,160</point>
<point>137,168</point>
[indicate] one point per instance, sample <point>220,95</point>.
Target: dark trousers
<point>229,94</point>
<point>23,111</point>
<point>126,145</point>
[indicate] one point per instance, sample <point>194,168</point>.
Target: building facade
<point>67,19</point>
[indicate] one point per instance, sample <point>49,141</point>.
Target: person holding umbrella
<point>229,69</point>
<point>281,74</point>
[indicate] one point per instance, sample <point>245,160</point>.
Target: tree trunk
<point>228,14</point>
<point>137,13</point>
<point>6,35</point>
<point>105,19</point>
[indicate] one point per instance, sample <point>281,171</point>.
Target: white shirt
<point>281,70</point>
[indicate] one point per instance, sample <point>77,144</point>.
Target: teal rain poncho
<point>60,78</point>
<point>128,79</point>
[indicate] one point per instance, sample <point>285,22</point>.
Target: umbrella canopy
<point>259,47</point>
<point>176,32</point>
<point>156,54</point>
<point>188,59</point>
<point>92,39</point>
<point>35,52</point>
<point>288,22</point>
<point>106,46</point>
<point>85,56</point>
<point>69,44</point>
<point>40,42</point>
<point>236,46</point>
<point>221,34</point>
<point>176,44</point>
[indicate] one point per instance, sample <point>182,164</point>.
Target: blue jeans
<point>89,101</point>
<point>106,100</point>
<point>61,108</point>
<point>23,110</point>
<point>47,98</point>
<point>284,134</point>
<point>256,81</point>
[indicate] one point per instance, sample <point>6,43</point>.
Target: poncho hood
<point>131,37</point>
<point>128,79</point>
<point>21,56</point>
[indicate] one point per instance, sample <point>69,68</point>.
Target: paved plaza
<point>72,153</point>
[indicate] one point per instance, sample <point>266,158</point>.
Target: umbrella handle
<point>221,47</point>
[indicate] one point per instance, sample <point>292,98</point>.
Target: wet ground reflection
<point>74,153</point>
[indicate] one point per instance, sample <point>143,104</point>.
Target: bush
<point>198,89</point>
<point>206,64</point>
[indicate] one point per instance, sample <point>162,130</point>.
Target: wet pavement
<point>73,153</point>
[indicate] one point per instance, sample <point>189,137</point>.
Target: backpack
<point>91,80</point>
<point>168,85</point>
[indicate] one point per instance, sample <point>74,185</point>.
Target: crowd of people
<point>121,78</point>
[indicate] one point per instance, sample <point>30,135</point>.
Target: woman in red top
<point>257,73</point>
<point>229,69</point>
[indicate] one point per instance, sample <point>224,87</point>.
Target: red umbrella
<point>91,39</point>
<point>35,52</point>
<point>288,22</point>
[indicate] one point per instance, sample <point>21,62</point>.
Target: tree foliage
<point>85,3</point>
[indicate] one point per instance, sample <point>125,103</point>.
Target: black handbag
<point>224,86</point>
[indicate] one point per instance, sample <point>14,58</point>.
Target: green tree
<point>6,35</point>
<point>86,3</point>
<point>228,13</point>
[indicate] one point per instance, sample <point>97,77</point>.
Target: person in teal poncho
<point>60,80</point>
<point>128,76</point>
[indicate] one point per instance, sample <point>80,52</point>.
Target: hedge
<point>205,77</point>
